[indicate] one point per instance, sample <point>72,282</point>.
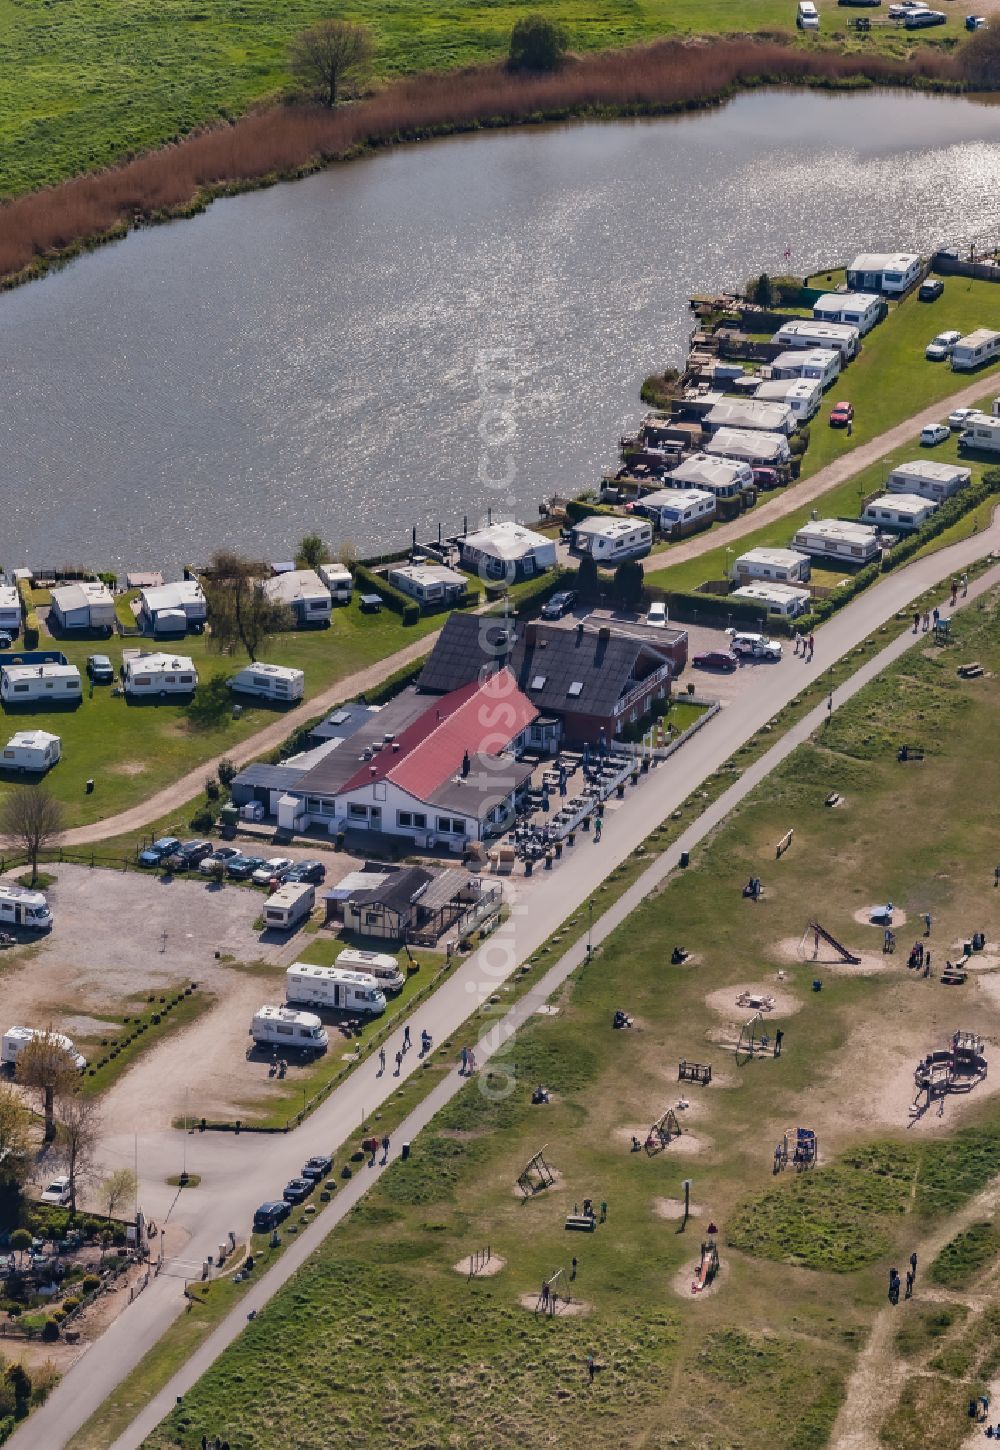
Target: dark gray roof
<point>396,893</point>
<point>269,777</point>
<point>329,775</point>
<point>547,670</point>
<point>488,782</point>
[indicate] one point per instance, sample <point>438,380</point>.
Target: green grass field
<point>131,751</point>
<point>87,82</point>
<point>804,1257</point>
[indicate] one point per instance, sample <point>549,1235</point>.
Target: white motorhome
<point>975,350</point>
<point>383,967</point>
<point>858,309</point>
<point>817,364</point>
<point>807,333</point>
<point>333,987</point>
<point>31,750</point>
<point>610,540</point>
<point>289,905</point>
<point>686,510</point>
<point>779,599</point>
<point>269,682</point>
<point>158,674</point>
<point>286,1028</point>
<point>802,395</point>
<point>16,1039</point>
<point>981,433</point>
<point>20,906</point>
<point>339,580</point>
<point>24,684</point>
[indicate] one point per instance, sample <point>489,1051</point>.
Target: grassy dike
<point>155,1370</point>
<point>471,1363</point>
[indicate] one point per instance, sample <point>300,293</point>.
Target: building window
<point>356,812</point>
<point>404,818</point>
<point>371,918</point>
<point>419,820</point>
<point>444,824</point>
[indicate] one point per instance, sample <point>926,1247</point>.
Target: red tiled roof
<point>480,717</point>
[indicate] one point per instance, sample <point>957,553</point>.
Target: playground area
<point>806,1177</point>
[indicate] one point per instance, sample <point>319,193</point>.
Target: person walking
<point>913,1263</point>
<point>591,1368</point>
<point>954,593</point>
<point>965,585</point>
<point>779,1038</point>
<point>464,1055</point>
<point>812,645</point>
<point>909,1284</point>
<point>399,1064</point>
<point>916,622</point>
<point>385,1148</point>
<point>927,923</point>
<point>574,1267</point>
<point>406,1038</point>
<point>381,1061</point>
<point>927,621</point>
<point>937,616</point>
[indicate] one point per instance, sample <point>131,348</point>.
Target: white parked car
<point>958,419</point>
<point>933,434</point>
<point>754,646</point>
<point>265,874</point>
<point>906,7</point>
<point>657,615</point>
<point>58,1192</point>
<point>941,347</point>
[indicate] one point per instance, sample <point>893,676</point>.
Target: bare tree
<point>33,818</point>
<point>117,1189</point>
<point>44,1066</point>
<point>331,55</point>
<point>15,1136</point>
<point>78,1132</point>
<point>240,611</point>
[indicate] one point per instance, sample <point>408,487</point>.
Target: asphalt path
<point>239,1172</point>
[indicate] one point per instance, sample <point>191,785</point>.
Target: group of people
<point>805,644</point>
<point>467,1062</point>
<point>919,957</point>
<point>894,1280</point>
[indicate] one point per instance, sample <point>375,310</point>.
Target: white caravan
<point>158,674</point>
<point>24,684</point>
<point>269,682</point>
<point>287,1028</point>
<point>333,987</point>
<point>289,905</point>
<point>31,750</point>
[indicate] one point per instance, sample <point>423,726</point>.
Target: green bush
<point>716,607</point>
<point>202,821</point>
<point>31,630</point>
<point>392,598</point>
<point>582,508</point>
<point>90,1283</point>
<point>50,1330</point>
<point>536,44</point>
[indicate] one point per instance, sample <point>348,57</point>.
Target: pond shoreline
<point>45,230</point>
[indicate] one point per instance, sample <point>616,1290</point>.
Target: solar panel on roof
<point>576,688</point>
<point>538,683</point>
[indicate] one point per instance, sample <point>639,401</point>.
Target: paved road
<point>239,1172</point>
<point>190,785</point>
<point>790,499</point>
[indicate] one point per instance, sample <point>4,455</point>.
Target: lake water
<point>434,331</point>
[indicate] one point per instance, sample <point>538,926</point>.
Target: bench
<point>694,1072</point>
<point>971,671</point>
<point>833,799</point>
<point>581,1222</point>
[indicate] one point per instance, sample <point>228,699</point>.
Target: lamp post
<point>590,930</point>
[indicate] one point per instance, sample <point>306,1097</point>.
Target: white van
<point>807,16</point>
<point>285,1027</point>
<point>383,967</point>
<point>16,1039</point>
<point>289,905</point>
<point>31,750</point>
<point>333,987</point>
<point>269,682</point>
<point>20,906</point>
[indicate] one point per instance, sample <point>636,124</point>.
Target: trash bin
<point>90,786</point>
<point>405,1152</point>
<point>685,859</point>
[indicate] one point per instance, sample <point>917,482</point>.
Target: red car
<point>716,659</point>
<point>841,414</point>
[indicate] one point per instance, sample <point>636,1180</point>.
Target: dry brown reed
<point>288,140</point>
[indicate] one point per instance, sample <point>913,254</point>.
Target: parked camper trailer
<point>610,540</point>
<point>31,750</point>
<point>333,987</point>
<point>269,682</point>
<point>975,350</point>
<point>20,906</point>
<point>16,1039</point>
<point>686,511</point>
<point>158,674</point>
<point>383,967</point>
<point>339,580</point>
<point>54,683</point>
<point>289,905</point>
<point>286,1028</point>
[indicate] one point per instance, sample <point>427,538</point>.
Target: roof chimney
<point>530,634</point>
<point>604,634</point>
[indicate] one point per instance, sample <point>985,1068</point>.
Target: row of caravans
<point>144,674</point>
<point>340,988</point>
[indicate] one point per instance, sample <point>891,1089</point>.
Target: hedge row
<point>713,607</point>
<point>581,508</point>
<point>31,626</point>
<point>392,597</point>
<point>534,594</point>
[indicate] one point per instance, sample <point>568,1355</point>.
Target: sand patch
<point>724,1001</point>
<point>799,950</point>
<point>494,1265</point>
<point>686,1144</point>
<point>83,1026</point>
<point>128,767</point>
<point>673,1208</point>
<point>565,1309</point>
<point>863,916</point>
<point>685,1277</point>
